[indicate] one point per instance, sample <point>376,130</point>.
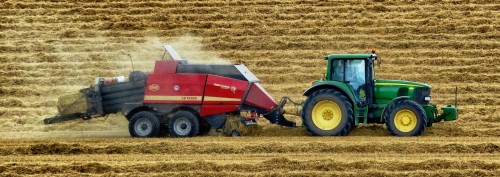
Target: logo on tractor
<point>232,88</point>
<point>154,87</point>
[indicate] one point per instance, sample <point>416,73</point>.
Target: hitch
<point>297,106</point>
<point>275,116</point>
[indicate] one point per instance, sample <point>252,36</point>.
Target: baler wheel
<point>144,124</point>
<point>327,113</point>
<point>183,124</point>
<point>407,118</point>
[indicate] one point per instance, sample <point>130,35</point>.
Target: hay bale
<point>65,103</point>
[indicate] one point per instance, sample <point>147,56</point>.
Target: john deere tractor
<point>350,94</point>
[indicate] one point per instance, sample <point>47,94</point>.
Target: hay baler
<point>180,99</point>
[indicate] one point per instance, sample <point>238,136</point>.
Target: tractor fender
<point>333,86</point>
<point>393,101</point>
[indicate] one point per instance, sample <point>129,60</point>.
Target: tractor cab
<point>356,71</point>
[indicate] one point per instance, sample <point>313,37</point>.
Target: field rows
<point>109,30</point>
<point>266,57</point>
<point>423,156</point>
<point>211,7</point>
<point>275,44</point>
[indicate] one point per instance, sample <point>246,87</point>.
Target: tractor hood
<point>383,82</point>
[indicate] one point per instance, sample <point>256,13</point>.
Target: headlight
<point>427,98</point>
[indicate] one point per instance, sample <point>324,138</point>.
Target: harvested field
<point>54,48</point>
<point>249,156</point>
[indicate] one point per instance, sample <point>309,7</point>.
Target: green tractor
<point>349,95</point>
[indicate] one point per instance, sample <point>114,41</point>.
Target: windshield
<point>352,72</point>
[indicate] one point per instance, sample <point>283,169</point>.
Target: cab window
<point>337,70</point>
<point>351,72</point>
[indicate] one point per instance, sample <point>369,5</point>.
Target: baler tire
<point>149,120</point>
<point>411,108</point>
<point>347,114</point>
<point>190,121</point>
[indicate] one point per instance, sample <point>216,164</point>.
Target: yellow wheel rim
<point>326,115</point>
<point>405,120</point>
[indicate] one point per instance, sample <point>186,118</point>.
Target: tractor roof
<point>347,56</point>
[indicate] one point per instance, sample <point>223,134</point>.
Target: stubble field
<point>48,49</point>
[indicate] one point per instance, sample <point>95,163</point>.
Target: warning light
<point>373,50</point>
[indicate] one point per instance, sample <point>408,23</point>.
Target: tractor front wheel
<point>327,113</point>
<point>183,124</point>
<point>406,118</point>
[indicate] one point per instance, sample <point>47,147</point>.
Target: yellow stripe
<point>172,98</point>
<point>187,98</point>
<point>212,98</point>
<point>395,84</point>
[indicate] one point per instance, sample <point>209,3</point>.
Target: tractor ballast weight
<point>181,98</point>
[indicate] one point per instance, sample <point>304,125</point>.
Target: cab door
<point>351,72</point>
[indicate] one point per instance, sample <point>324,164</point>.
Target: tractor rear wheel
<point>327,113</point>
<point>183,124</point>
<point>144,124</point>
<point>406,118</point>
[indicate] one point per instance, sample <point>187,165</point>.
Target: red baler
<point>182,99</point>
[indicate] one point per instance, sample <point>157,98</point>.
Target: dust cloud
<point>145,52</point>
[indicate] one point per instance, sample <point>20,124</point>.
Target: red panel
<point>175,88</point>
<point>223,90</point>
<point>207,110</point>
<point>165,67</point>
<point>258,97</point>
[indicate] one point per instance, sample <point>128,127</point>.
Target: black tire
<point>353,125</point>
<point>183,124</point>
<point>144,124</point>
<point>137,76</point>
<point>346,118</point>
<point>413,109</point>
